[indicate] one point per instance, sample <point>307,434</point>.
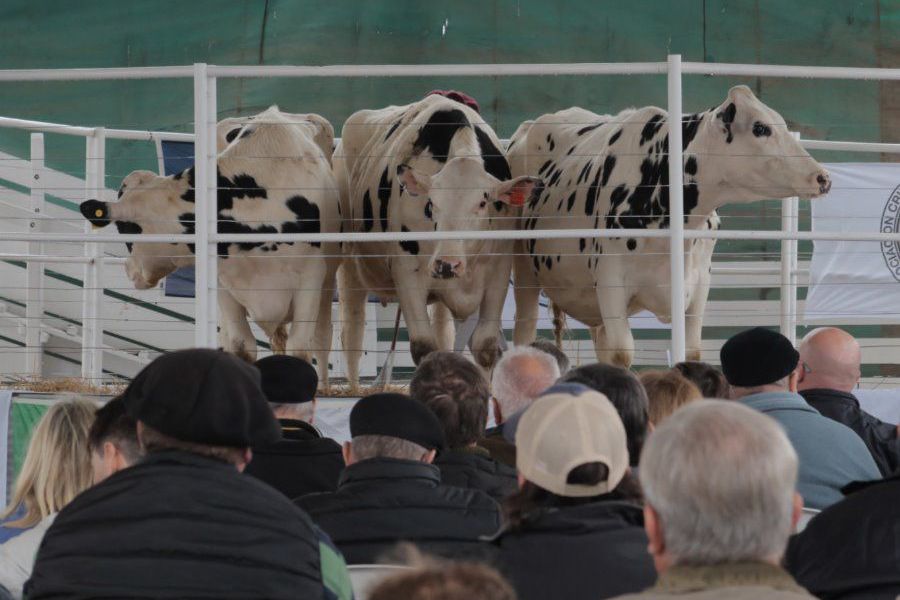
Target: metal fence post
<point>92,296</point>
<point>676,209</point>
<point>789,223</point>
<point>34,271</point>
<point>212,254</point>
<point>202,207</point>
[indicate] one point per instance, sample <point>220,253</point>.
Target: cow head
<point>149,203</point>
<point>755,157</point>
<point>459,197</point>
<point>317,127</point>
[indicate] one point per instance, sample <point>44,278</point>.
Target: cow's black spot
<point>551,142</point>
<point>548,262</point>
<point>581,244</point>
<point>571,201</point>
<point>584,130</point>
<point>493,159</point>
<point>727,115</point>
<point>554,179</point>
<point>384,196</point>
<point>436,135</point>
<point>571,150</point>
<point>545,167</point>
<point>537,263</point>
<point>615,137</point>
<point>689,126</point>
<point>307,220</point>
<point>608,166</point>
<point>130,227</point>
<point>368,216</point>
<point>238,187</point>
<point>585,172</point>
<point>592,192</point>
<point>392,129</point>
<point>410,247</point>
<point>233,134</point>
<point>651,128</point>
<point>690,165</point>
<point>428,210</point>
<point>188,195</point>
<point>631,243</point>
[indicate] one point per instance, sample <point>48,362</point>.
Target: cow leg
<point>527,293</point>
<point>324,332</point>
<point>305,309</point>
<point>352,297</point>
<point>235,335</point>
<point>694,317</point>
<point>413,299</point>
<point>618,346</point>
<point>486,338</point>
<point>442,323</point>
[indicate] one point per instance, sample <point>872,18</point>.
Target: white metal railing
<point>206,235</point>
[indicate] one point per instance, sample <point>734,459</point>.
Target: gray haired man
<point>720,494</point>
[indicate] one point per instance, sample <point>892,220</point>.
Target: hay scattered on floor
<point>72,385</point>
<point>343,390</point>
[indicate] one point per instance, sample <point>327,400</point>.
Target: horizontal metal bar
<point>468,70</point>
<point>753,271</point>
<point>40,258</point>
<point>798,71</point>
<point>851,146</point>
<point>150,136</point>
<point>424,236</point>
<point>98,74</point>
<point>45,126</point>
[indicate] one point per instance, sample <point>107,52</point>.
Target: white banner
<point>856,282</point>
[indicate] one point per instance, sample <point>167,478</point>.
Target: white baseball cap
<point>567,426</point>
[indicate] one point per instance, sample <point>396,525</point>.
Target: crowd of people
<point>207,478</point>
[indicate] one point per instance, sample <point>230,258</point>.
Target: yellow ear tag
<point>98,213</point>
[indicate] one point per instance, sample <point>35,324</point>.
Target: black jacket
<point>382,501</point>
<point>880,437</point>
<point>851,550</point>
<point>179,525</point>
<point>303,462</point>
<point>591,551</point>
<point>473,468</point>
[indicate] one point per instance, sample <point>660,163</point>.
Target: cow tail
<point>559,323</point>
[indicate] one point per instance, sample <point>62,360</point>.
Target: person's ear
<point>428,457</point>
<point>521,480</point>
<point>657,543</point>
<point>347,451</point>
<point>793,381</point>
<point>498,412</point>
<point>800,373</point>
<point>246,457</point>
<point>797,511</point>
<point>312,412</point>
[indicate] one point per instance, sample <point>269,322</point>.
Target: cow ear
<point>415,183</point>
<point>740,92</point>
<point>96,212</point>
<point>516,192</point>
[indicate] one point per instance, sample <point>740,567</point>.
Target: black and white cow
<point>274,176</point>
<point>433,165</point>
<point>611,172</point>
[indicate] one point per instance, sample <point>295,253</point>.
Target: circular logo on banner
<point>890,223</point>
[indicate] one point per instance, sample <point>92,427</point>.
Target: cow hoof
<point>693,355</point>
<point>488,353</point>
<point>245,355</point>
<point>420,350</point>
<point>621,359</point>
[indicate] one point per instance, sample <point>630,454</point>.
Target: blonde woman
<point>667,391</point>
<point>57,468</point>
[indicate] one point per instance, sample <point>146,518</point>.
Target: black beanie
<point>757,357</point>
<point>399,416</point>
<point>203,396</point>
<point>287,379</point>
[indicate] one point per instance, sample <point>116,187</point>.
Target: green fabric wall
<point>108,33</point>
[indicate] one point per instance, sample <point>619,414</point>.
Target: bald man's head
<point>520,376</point>
<point>829,358</point>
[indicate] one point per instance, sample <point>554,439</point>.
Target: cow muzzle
<point>447,268</point>
<point>823,180</point>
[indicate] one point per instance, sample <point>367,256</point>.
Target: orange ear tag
<point>98,213</point>
<point>517,197</point>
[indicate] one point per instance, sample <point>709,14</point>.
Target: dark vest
<point>473,468</point>
<point>178,525</point>
<point>302,462</point>
<point>381,501</point>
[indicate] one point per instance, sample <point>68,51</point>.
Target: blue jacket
<point>831,455</point>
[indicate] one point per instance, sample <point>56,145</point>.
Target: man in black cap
<point>761,367</point>
<point>184,522</point>
<point>390,492</point>
<point>302,461</point>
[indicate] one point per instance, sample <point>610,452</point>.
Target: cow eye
<point>760,129</point>
<point>429,210</point>
<point>482,204</point>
